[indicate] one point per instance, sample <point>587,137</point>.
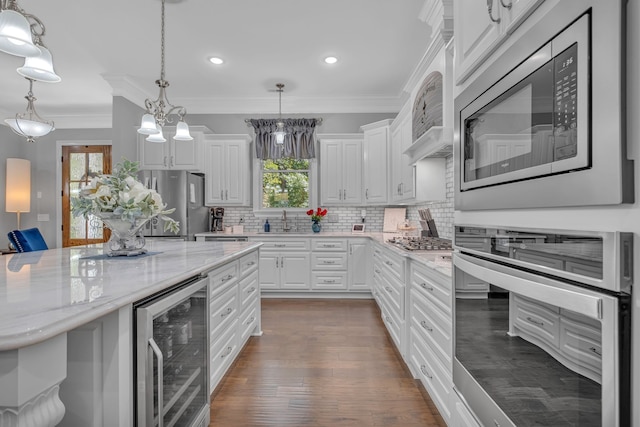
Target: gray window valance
<point>299,143</point>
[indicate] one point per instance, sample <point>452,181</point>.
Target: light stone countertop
<point>45,293</point>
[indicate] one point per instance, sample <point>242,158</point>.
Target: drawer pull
<point>329,281</point>
<point>377,271</point>
<point>535,322</point>
<point>249,264</point>
<point>226,313</point>
<point>251,289</point>
<point>423,368</point>
<point>595,351</point>
<point>389,263</point>
<point>377,252</point>
<point>424,325</point>
<point>388,289</point>
<point>496,423</point>
<point>226,353</point>
<point>328,246</point>
<point>279,245</point>
<point>429,288</point>
<point>250,321</point>
<point>227,278</point>
<point>388,319</point>
<point>328,262</point>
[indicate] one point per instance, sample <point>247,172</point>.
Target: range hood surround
<point>435,142</point>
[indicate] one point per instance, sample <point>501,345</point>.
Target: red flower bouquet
<point>317,215</point>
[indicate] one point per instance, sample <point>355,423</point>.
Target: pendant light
<point>29,124</point>
<point>156,116</point>
<point>15,31</point>
<point>279,133</point>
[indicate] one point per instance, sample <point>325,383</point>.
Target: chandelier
<point>156,116</point>
<point>279,133</point>
<point>21,35</point>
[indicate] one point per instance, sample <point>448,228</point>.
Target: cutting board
<point>393,217</point>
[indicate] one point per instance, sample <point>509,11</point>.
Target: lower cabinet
<point>461,415</point>
<point>359,272</point>
<point>234,309</point>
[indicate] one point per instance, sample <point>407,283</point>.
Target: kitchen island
<point>67,314</point>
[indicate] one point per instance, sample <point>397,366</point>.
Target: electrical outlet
<point>333,217</point>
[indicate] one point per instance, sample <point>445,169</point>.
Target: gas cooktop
<point>421,243</point>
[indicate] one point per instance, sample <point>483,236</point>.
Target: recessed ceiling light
<point>216,60</point>
<point>330,59</point>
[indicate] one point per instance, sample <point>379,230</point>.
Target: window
<point>284,184</point>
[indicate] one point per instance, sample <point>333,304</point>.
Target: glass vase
<point>126,238</point>
<point>315,226</point>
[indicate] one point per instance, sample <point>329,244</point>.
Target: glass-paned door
<point>80,163</point>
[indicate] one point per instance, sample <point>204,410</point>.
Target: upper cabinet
<point>227,168</point>
<point>171,154</point>
<point>341,169</point>
<point>403,173</point>
<point>375,162</point>
<point>481,27</point>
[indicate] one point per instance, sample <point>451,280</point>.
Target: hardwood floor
<point>321,363</point>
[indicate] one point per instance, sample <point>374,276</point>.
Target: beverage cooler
<point>171,355</point>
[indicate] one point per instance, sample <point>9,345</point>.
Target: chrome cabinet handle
<point>328,262</point>
<point>490,11</point>
<point>226,194</point>
<point>228,352</point>
<point>251,289</point>
<point>344,194</point>
<point>226,313</point>
<point>277,261</point>
<point>535,322</point>
<point>329,281</point>
<point>221,194</point>
<point>388,289</point>
<point>156,350</point>
<point>328,246</point>
<point>388,319</point>
<point>595,351</point>
<point>377,271</point>
<point>250,321</point>
<point>424,325</point>
<point>423,368</point>
<point>226,278</point>
<point>366,194</point>
<point>282,262</point>
<point>339,194</point>
<point>164,161</point>
<point>429,288</point>
<point>389,263</point>
<point>508,6</point>
<point>171,164</point>
<point>277,245</point>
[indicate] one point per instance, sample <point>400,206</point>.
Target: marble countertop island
<point>46,293</point>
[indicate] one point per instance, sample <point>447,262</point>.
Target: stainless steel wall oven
<point>552,122</point>
<point>548,341</point>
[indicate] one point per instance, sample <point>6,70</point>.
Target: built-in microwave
<point>543,125</point>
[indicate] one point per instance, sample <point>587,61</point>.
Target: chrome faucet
<point>285,226</point>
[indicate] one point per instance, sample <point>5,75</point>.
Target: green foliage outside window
<point>285,183</point>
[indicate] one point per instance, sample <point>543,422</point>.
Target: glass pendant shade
<point>148,125</point>
<point>29,127</point>
<point>279,136</point>
<point>157,137</point>
<point>39,67</point>
<point>182,132</point>
<point>15,35</point>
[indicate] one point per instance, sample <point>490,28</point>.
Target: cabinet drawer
<point>248,323</point>
<point>329,280</point>
<point>222,276</point>
<point>393,293</point>
<point>329,245</point>
<point>536,319</point>
<point>435,290</point>
<point>329,261</point>
<point>394,264</point>
<point>432,325</point>
<point>249,290</point>
<point>248,263</point>
<point>581,345</point>
<point>393,325</point>
<point>434,376</point>
<point>286,245</point>
<point>223,310</point>
<point>222,353</point>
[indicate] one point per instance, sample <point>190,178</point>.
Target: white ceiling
<point>106,48</point>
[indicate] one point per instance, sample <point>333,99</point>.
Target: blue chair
<point>27,240</point>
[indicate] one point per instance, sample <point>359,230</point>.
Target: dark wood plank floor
<point>321,363</point>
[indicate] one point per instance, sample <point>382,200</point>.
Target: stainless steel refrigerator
<point>183,191</point>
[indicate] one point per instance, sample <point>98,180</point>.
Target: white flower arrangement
<point>121,194</point>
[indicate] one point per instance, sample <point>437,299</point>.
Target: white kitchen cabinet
<point>341,170</point>
<point>285,264</point>
<point>227,169</point>
<point>403,173</point>
<point>359,265</point>
<point>329,264</point>
<point>375,162</point>
<point>477,35</point>
<point>172,154</point>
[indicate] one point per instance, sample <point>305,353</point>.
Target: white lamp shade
<point>148,125</point>
<point>18,185</point>
<point>279,136</point>
<point>157,137</point>
<point>15,35</point>
<point>39,67</point>
<point>182,132</point>
<point>29,127</point>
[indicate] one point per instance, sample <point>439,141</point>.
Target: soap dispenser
<point>267,226</point>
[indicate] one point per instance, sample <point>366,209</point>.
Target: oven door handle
<point>540,288</point>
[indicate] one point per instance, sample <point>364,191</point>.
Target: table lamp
<point>18,187</point>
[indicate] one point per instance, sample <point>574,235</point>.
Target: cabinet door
<point>215,167</point>
<point>375,165</point>
<point>408,171</point>
<point>518,12</point>
<point>185,155</point>
<point>475,33</point>
<point>352,172</point>
<point>396,170</point>
<point>236,173</point>
<point>331,172</point>
<point>358,266</point>
<point>269,270</point>
<point>152,155</point>
<point>294,270</point>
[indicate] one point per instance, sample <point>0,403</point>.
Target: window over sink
<point>285,183</point>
